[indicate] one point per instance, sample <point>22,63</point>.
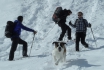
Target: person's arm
<point>73,25</point>
<point>26,28</point>
<point>87,24</point>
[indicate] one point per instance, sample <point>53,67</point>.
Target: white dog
<point>59,52</point>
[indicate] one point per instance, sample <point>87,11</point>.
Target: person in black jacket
<point>63,15</point>
<point>16,38</point>
<point>81,28</point>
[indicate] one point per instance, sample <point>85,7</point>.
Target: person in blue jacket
<point>17,40</point>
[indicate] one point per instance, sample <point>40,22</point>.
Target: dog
<point>59,52</point>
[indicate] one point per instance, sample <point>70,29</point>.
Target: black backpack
<point>56,14</point>
<point>9,29</point>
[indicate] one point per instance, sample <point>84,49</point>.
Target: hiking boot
<point>25,56</point>
<point>59,40</point>
<point>77,50</point>
<point>10,59</point>
<point>69,38</point>
<point>86,46</point>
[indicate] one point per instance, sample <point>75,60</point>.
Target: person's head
<point>80,14</point>
<point>69,12</point>
<point>20,18</point>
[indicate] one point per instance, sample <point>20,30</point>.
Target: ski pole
<point>19,49</point>
<point>49,32</point>
<point>65,36</point>
<point>94,37</point>
<point>31,45</point>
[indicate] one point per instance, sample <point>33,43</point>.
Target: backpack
<point>56,14</point>
<point>9,29</point>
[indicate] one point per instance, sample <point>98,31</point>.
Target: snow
<point>38,16</point>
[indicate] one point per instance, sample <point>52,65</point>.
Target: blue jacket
<point>18,27</point>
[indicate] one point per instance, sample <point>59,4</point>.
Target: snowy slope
<point>37,15</point>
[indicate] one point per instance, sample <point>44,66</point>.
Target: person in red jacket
<point>16,38</point>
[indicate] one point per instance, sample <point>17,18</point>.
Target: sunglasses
<point>79,15</point>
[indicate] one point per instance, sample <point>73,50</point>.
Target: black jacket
<point>63,15</point>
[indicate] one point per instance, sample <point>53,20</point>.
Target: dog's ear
<point>63,43</point>
<point>54,42</point>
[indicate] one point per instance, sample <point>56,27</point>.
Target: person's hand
<point>70,23</point>
<point>89,25</point>
<point>35,32</point>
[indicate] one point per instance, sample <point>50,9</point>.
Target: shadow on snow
<point>78,62</point>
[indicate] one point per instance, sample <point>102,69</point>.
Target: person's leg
<point>77,41</point>
<point>63,28</point>
<point>83,36</point>
<point>24,43</point>
<point>13,48</point>
<point>69,32</point>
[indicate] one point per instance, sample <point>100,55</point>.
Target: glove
<point>35,32</point>
<point>70,23</point>
<point>89,25</point>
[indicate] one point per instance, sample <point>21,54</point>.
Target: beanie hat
<point>20,18</point>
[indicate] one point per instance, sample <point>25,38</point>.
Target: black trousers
<point>15,42</point>
<point>80,36</point>
<point>65,28</point>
